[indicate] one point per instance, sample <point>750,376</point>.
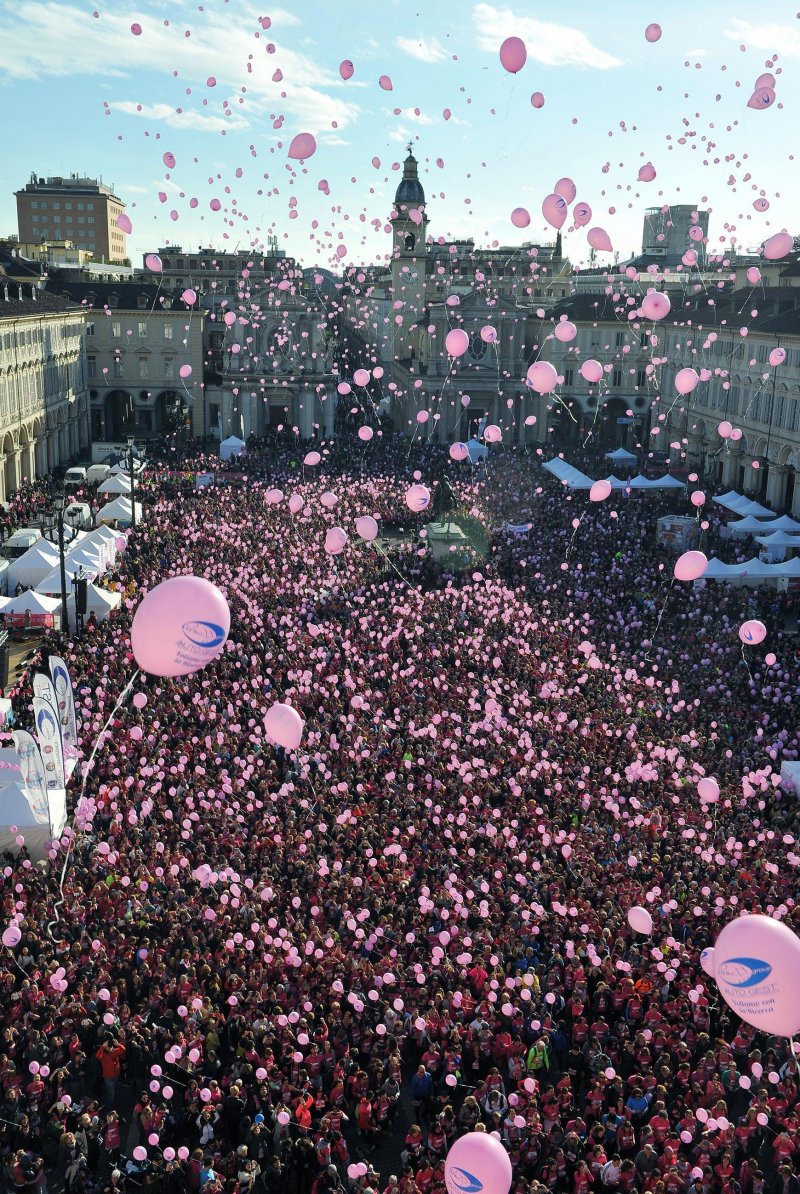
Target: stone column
<point>776,485</point>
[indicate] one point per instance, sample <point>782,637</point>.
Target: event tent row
<point>574,479</point>
<point>754,569</point>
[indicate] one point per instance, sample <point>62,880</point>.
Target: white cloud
<point>416,117</point>
<point>46,38</point>
<point>179,120</point>
<point>546,42</point>
<point>763,36</point>
<point>423,49</point>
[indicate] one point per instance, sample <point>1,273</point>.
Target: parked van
<point>97,473</point>
<point>20,542</point>
<point>79,516</point>
<point>74,478</point>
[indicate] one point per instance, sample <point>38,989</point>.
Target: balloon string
<point>404,579</point>
<point>746,664</point>
<point>658,623</point>
<point>87,768</point>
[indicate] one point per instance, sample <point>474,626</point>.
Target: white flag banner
<point>48,732</point>
<point>65,701</point>
<point>31,765</point>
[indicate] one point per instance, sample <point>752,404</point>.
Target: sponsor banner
<point>29,620</point>
<point>31,766</point>
<point>65,703</point>
<point>48,733</point>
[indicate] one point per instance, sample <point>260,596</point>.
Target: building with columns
<point>44,403</point>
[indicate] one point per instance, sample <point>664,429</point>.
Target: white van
<point>20,542</point>
<point>96,474</point>
<point>74,478</point>
<point>78,515</point>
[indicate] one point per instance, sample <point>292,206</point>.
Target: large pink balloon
<point>554,210</point>
<point>600,491</point>
<point>361,377</point>
<point>777,357</point>
<point>458,451</point>
<point>708,789</point>
<point>12,936</point>
<point>581,214</point>
<point>284,726</point>
<point>367,527</point>
<point>520,217</point>
<point>542,377</point>
<point>591,371</point>
<point>513,54</point>
<point>565,331</point>
<point>477,1164</point>
<point>725,428</point>
<point>179,626</point>
<point>778,246</point>
<point>566,188</point>
<point>690,566</point>
<point>335,541</point>
<point>757,969</point>
<point>456,342</point>
<point>656,305</point>
<point>303,146</point>
<point>686,380</point>
<point>599,239</point>
<point>640,920</point>
<point>752,632</point>
<point>418,498</point>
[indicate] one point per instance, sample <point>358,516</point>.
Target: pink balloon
<point>180,626</point>
<point>777,357</point>
<point>385,83</point>
<point>762,97</point>
<point>708,789</point>
<point>656,305</point>
<point>653,32</point>
<point>367,527</point>
<point>311,459</point>
<point>456,342</point>
<point>139,700</point>
<point>488,334</point>
<point>778,246</point>
<point>598,238</point>
<point>458,452</point>
<point>185,371</point>
<point>725,428</point>
<point>537,99</point>
<point>566,188</point>
<point>600,491</point>
<point>690,566</point>
<point>770,659</point>
<point>754,275</point>
<point>335,541</point>
<point>542,377</point>
<point>698,498</point>
<point>140,1153</point>
<point>493,434</point>
<point>513,54</point>
<point>591,371</point>
<point>284,725</point>
<point>295,503</point>
<point>565,331</point>
<point>124,223</point>
<point>581,214</point>
<point>640,920</point>
<point>11,936</point>
<point>686,380</point>
<point>303,146</point>
<point>478,1163</point>
<point>758,973</point>
<point>554,210</point>
<point>520,217</point>
<point>346,69</point>
<point>154,263</point>
<point>418,498</point>
<point>736,434</point>
<point>361,377</point>
<point>136,733</point>
<point>189,297</point>
<point>647,172</point>
<point>752,632</point>
<point>365,434</point>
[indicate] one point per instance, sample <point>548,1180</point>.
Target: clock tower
<point>409,255</point>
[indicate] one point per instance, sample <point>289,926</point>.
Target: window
<point>569,375</point>
<point>81,206</point>
<point>56,206</point>
<point>142,302</point>
<point>90,219</point>
<point>116,329</point>
<point>641,378</point>
<point>169,368</point>
<point>119,370</point>
<point>113,300</point>
<point>616,378</point>
<point>67,207</point>
<point>89,329</point>
<point>34,204</point>
<point>144,367</point>
<point>91,363</point>
<point>780,403</point>
<point>168,331</point>
<point>142,329</point>
<point>619,339</point>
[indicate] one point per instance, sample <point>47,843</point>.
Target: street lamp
<point>133,489</point>
<point>55,534</point>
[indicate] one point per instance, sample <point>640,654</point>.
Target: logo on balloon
<point>463,1181</point>
<point>744,972</point>
<point>204,634</point>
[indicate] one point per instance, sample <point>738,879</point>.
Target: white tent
<point>639,482</point>
<point>788,567</point>
<point>785,523</point>
<point>666,482</point>
<point>33,566</point>
<point>718,570</point>
<point>757,567</point>
<point>615,482</point>
<point>119,511</point>
<point>749,526</point>
<point>778,539</point>
<point>104,545</point>
<point>120,483</point>
<point>100,602</point>
<point>477,451</point>
<point>17,817</point>
<point>790,776</point>
<point>89,558</point>
<point>730,499</point>
<point>754,510</point>
<point>754,569</point>
<point>30,602</point>
<point>622,456</point>
<point>571,477</point>
<point>232,446</point>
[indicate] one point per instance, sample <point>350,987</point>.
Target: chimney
<point>5,292</point>
<point>34,295</point>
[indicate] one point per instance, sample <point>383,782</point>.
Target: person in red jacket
<point>110,1055</point>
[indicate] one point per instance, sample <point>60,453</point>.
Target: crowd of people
<point>313,972</point>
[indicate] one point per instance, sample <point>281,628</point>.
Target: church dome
<point>410,192</point>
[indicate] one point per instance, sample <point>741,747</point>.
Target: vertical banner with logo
<point>31,767</point>
<point>48,732</point>
<point>65,702</point>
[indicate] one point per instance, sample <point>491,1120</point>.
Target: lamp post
<point>57,530</point>
<point>133,489</point>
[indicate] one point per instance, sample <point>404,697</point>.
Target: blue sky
<point>81,93</point>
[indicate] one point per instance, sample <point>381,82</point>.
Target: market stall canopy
<point>117,484</point>
<point>33,566</point>
<point>749,526</point>
<point>232,446</point>
<point>622,456</point>
<point>571,477</point>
